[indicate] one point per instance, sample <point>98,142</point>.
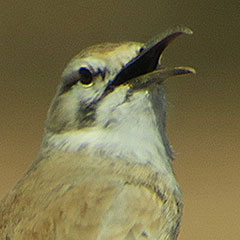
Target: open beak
<point>145,68</point>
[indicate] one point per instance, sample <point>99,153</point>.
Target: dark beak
<point>148,60</point>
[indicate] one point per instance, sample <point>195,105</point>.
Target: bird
<point>104,170</point>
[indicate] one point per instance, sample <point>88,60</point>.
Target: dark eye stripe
<point>102,72</point>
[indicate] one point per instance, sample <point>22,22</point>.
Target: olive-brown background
<point>37,38</point>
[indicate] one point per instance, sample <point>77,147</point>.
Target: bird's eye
<point>141,49</point>
<point>86,77</point>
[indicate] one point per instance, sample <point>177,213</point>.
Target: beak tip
<point>184,70</point>
<point>183,29</point>
<point>192,70</point>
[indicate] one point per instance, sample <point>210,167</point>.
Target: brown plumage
<point>68,197</point>
<point>104,169</point>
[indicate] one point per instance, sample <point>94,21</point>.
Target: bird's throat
<point>126,130</point>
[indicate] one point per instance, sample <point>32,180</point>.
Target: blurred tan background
<point>38,38</point>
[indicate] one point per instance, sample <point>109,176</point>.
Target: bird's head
<point>109,84</point>
<point>98,72</point>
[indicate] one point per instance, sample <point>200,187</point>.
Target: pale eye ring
<point>86,77</point>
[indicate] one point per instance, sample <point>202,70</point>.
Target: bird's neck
<point>136,139</point>
<point>134,144</point>
<point>123,130</point>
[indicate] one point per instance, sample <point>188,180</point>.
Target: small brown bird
<point>104,170</point>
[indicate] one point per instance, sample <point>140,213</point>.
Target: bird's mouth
<point>145,68</point>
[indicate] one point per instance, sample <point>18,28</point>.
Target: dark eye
<point>86,77</point>
<point>141,49</point>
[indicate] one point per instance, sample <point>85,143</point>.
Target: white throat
<point>125,128</point>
